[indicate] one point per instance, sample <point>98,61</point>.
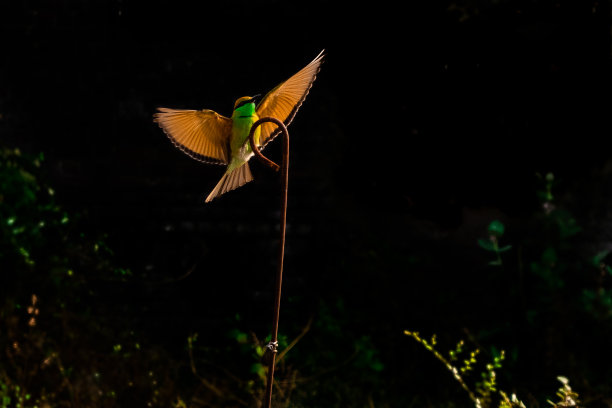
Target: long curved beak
<point>254,98</point>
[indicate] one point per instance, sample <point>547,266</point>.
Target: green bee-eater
<point>212,138</point>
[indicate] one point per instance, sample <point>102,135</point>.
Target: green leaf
<point>567,224</point>
<point>487,245</point>
<point>505,248</point>
<point>239,336</point>
<point>549,257</point>
<point>599,257</point>
<point>377,366</point>
<point>496,228</point>
<point>258,369</point>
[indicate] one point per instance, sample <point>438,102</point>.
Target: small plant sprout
<point>495,230</point>
<point>453,356</point>
<point>567,397</point>
<point>512,402</point>
<point>545,194</point>
<point>485,393</point>
<point>482,392</point>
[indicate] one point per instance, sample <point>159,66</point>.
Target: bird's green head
<point>245,106</point>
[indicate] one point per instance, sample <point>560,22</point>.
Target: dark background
<point>427,121</point>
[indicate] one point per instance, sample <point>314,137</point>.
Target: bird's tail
<point>230,181</point>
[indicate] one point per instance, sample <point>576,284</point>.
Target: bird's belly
<point>239,143</point>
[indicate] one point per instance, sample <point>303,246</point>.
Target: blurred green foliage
<point>482,389</point>
<point>64,348</point>
<point>306,372</point>
<point>59,350</point>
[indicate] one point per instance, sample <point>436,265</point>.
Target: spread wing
<point>204,135</point>
<point>284,100</point>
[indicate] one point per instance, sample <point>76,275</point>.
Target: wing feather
<point>203,135</point>
<point>285,99</point>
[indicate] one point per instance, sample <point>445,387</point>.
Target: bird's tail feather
<point>230,181</point>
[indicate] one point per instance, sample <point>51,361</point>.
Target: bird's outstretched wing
<point>204,135</point>
<point>284,100</point>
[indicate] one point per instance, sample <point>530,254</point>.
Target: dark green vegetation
<point>71,338</point>
<point>462,192</point>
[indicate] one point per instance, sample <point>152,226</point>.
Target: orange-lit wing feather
<point>284,100</point>
<point>204,135</point>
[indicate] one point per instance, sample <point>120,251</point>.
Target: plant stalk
<point>272,346</point>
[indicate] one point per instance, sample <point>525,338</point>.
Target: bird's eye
<point>243,103</point>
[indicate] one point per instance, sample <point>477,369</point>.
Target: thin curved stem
<point>254,146</point>
<point>283,227</point>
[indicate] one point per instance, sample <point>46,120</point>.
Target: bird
<point>209,137</point>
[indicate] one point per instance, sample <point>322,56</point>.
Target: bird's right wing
<point>203,135</point>
<point>285,99</point>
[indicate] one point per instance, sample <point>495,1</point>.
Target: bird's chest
<point>241,127</point>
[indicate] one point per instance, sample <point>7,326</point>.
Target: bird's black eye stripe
<point>247,101</point>
<point>242,103</point>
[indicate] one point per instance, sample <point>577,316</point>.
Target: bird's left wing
<point>284,100</point>
<point>203,135</point>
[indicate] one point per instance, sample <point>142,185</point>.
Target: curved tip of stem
<point>254,146</point>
